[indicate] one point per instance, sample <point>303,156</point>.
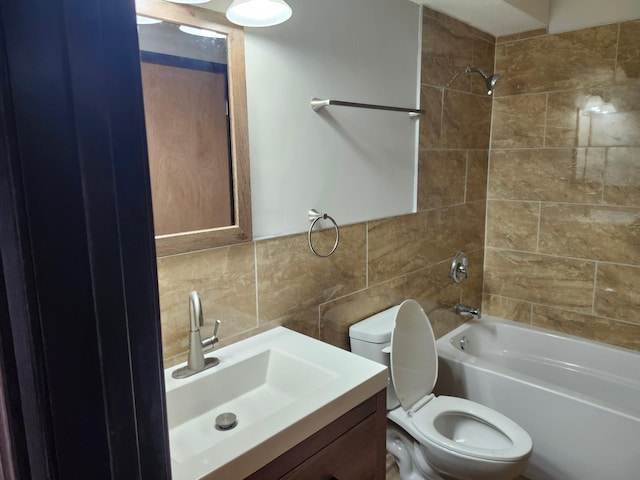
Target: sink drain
<point>226,421</point>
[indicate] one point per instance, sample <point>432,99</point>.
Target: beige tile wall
<point>563,209</point>
<point>258,285</point>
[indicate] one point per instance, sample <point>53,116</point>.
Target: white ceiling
<point>505,17</point>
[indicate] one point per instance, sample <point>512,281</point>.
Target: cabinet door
<point>352,456</point>
<point>351,447</point>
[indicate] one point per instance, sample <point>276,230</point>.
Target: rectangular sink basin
<point>282,387</point>
<point>252,389</point>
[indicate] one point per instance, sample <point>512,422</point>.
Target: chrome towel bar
<point>318,104</point>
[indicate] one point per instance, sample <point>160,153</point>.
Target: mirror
<point>194,92</point>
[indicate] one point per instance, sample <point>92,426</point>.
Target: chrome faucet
<point>196,361</point>
<point>467,311</point>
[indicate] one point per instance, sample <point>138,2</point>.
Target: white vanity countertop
<point>284,387</point>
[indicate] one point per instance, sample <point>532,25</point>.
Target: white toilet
<point>435,437</point>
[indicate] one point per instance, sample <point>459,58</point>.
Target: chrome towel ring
<point>314,216</point>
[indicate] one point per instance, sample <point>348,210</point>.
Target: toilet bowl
<point>435,437</point>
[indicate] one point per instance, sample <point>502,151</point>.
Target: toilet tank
<point>371,338</point>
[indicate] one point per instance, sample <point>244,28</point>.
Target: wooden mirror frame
<point>241,231</point>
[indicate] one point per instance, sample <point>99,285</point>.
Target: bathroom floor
<point>392,469</point>
<point>394,474</point>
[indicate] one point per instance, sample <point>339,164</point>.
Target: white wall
<point>353,164</point>
<point>577,14</point>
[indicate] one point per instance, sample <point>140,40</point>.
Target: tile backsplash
<point>563,209</point>
<point>258,285</point>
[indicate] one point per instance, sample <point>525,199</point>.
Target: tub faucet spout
<point>467,311</point>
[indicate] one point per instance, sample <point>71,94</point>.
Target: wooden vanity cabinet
<point>353,447</point>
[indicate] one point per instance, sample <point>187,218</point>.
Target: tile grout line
<point>565,147</point>
<point>557,203</point>
<point>615,58</point>
<point>544,127</point>
<point>441,114</point>
<point>595,289</point>
<point>533,304</point>
<point>366,255</point>
<point>538,231</point>
<point>557,256</point>
<point>466,176</point>
<point>488,181</point>
<point>604,176</point>
<point>255,276</point>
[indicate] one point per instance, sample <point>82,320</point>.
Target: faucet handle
<point>459,265</point>
<point>213,339</point>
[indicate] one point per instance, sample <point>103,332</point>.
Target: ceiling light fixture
<point>188,2</point>
<point>201,32</point>
<point>141,20</point>
<point>259,13</point>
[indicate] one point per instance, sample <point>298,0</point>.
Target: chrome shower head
<point>491,81</point>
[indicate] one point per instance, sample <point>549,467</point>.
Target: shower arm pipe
<point>469,69</point>
<point>318,104</point>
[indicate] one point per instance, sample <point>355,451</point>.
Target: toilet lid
<point>414,359</point>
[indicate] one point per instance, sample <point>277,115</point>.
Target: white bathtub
<point>579,400</point>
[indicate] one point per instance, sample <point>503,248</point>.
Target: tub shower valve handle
<point>459,267</point>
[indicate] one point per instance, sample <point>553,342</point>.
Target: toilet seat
<point>500,437</point>
<point>414,371</point>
